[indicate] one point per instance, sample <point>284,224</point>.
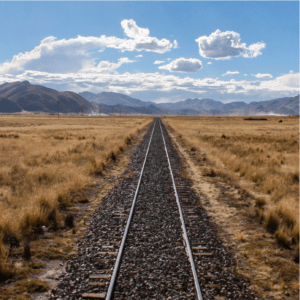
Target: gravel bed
<point>154,264</point>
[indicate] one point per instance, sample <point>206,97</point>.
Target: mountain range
<point>202,107</point>
<point>23,96</point>
<point>110,98</point>
<point>18,96</point>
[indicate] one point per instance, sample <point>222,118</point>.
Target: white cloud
<point>64,56</point>
<point>245,74</point>
<point>152,86</point>
<point>157,62</point>
<point>225,45</point>
<point>291,71</point>
<point>108,67</point>
<point>133,31</point>
<point>142,41</point>
<point>140,55</point>
<point>183,65</point>
<point>231,73</point>
<point>209,63</point>
<point>288,80</point>
<point>259,75</point>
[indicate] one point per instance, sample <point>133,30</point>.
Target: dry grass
<point>265,154</point>
<point>242,211</point>
<point>43,162</point>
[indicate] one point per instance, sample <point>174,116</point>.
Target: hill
<point>30,97</point>
<point>110,98</point>
<point>8,106</point>
<point>201,104</point>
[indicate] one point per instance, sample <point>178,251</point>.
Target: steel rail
<point>120,253</point>
<point>187,243</point>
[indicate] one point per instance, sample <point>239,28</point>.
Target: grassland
<point>260,161</point>
<point>44,162</point>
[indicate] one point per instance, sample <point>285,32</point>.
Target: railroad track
<point>151,239</point>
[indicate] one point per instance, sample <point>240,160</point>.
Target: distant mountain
<point>8,106</point>
<point>18,96</point>
<point>30,97</point>
<point>234,105</point>
<point>110,98</point>
<point>283,106</point>
<point>201,104</point>
<point>147,110</point>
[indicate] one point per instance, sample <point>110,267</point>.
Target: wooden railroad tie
<point>99,276</point>
<point>199,248</point>
<point>109,253</point>
<point>98,283</point>
<point>94,296</point>
<point>203,254</point>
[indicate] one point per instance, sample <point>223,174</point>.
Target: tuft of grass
<point>271,222</point>
<point>32,286</point>
<point>63,200</point>
<point>260,202</point>
<point>6,269</point>
<point>296,254</point>
<point>26,251</point>
<point>210,173</point>
<point>69,220</point>
<point>282,238</point>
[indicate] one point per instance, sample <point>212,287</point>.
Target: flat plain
<point>45,163</point>
<point>248,174</point>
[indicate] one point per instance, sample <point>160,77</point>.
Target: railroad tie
<point>94,296</point>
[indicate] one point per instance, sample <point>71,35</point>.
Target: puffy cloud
<point>140,55</point>
<point>259,75</point>
<point>142,41</point>
<point>108,67</point>
<point>71,55</point>
<point>209,63</point>
<point>288,80</point>
<point>231,73</point>
<point>225,45</point>
<point>183,65</point>
<point>133,31</point>
<point>157,62</point>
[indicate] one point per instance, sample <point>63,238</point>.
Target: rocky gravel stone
<point>154,263</point>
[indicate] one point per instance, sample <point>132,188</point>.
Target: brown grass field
<point>44,161</point>
<point>260,160</point>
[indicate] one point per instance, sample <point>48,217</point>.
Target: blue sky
<point>154,51</point>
